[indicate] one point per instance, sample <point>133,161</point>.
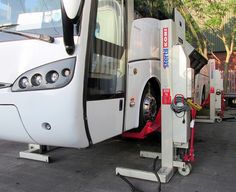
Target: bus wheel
<point>149,107</point>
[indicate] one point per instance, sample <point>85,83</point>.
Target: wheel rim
<point>149,108</point>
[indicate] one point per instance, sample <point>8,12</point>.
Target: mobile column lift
<point>215,99</point>
<point>177,82</point>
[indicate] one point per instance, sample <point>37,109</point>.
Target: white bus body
<point>202,85</point>
<point>95,90</point>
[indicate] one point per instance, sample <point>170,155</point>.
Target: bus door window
<point>107,67</point>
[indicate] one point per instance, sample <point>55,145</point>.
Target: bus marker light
<point>46,126</point>
<point>66,72</point>
<point>132,102</point>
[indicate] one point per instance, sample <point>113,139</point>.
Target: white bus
<point>67,78</point>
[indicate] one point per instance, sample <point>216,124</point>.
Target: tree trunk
<point>226,69</point>
<point>226,77</point>
<point>205,50</point>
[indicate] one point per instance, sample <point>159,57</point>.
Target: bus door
<point>106,73</point>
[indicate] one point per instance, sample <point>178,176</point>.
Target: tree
<point>148,7</point>
<point>219,18</point>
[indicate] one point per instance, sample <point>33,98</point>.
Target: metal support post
<point>165,174</point>
<point>151,155</point>
<point>35,152</point>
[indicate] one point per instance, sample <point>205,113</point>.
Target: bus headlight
<point>50,76</point>
<point>36,80</point>
<point>23,82</point>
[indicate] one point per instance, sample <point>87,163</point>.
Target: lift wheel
<point>186,170</point>
<point>218,120</point>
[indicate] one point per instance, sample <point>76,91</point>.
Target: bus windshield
<point>33,16</point>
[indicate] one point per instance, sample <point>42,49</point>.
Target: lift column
<point>166,94</point>
<point>176,79</point>
<point>215,96</point>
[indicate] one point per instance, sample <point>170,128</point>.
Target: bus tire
<point>148,106</point>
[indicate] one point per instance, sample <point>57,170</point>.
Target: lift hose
<point>133,188</point>
<point>156,174</point>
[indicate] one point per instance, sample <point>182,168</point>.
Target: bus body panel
<point>61,108</point>
<point>17,57</point>
<point>105,118</point>
<point>135,86</point>
<point>13,128</point>
<point>56,107</point>
<point>202,85</point>
<point>144,64</point>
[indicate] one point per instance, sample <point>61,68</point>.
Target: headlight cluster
<point>50,76</point>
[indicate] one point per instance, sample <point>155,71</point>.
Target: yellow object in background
<point>194,105</point>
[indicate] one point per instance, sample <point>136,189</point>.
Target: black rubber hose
<point>156,174</point>
<point>132,187</point>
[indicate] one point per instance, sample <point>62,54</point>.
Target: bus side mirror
<point>71,11</point>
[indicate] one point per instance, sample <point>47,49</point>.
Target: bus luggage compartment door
<point>105,118</point>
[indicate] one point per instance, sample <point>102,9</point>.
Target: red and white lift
<point>177,117</point>
<point>215,100</point>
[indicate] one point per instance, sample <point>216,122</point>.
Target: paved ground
<point>93,170</point>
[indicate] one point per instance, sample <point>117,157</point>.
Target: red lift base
<point>150,127</point>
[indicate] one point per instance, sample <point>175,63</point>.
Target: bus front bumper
<point>12,127</point>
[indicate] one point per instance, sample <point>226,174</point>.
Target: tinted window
<point>109,23</point>
<point>36,16</point>
<point>107,67</point>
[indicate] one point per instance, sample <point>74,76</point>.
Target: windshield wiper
<point>41,37</point>
<point>4,85</point>
<point>5,26</point>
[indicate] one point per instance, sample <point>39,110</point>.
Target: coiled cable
<point>179,105</point>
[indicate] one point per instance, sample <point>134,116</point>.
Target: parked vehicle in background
<point>230,93</point>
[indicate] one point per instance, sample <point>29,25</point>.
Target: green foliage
<point>216,16</point>
<point>219,18</point>
<point>151,6</point>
